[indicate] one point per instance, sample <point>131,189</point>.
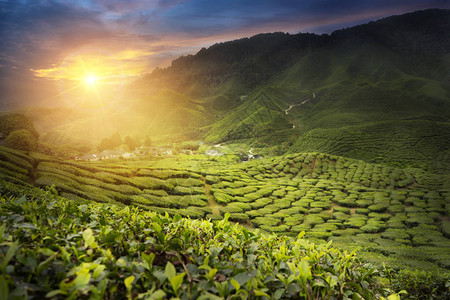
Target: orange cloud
<point>103,65</point>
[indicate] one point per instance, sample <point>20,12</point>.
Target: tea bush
<point>77,250</point>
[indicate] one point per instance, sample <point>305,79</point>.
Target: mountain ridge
<point>393,69</point>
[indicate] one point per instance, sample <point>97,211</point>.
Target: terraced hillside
<point>417,143</point>
<point>393,214</point>
<point>384,84</point>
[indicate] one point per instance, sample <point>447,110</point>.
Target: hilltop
<point>294,92</point>
<point>319,141</point>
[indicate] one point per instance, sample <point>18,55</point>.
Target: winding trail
<point>33,174</point>
<point>215,207</point>
<point>295,105</point>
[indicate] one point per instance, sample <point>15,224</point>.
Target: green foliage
<point>400,222</point>
<point>16,121</point>
<point>446,228</point>
<point>127,252</point>
<point>194,146</point>
<point>21,139</point>
<point>423,285</point>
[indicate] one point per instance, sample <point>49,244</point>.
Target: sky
<point>50,49</point>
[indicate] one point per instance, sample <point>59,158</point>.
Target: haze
<point>50,47</point>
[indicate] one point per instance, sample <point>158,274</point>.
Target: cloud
<point>39,37</point>
<point>207,17</point>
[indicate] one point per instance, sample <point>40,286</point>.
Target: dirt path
<point>33,173</point>
<point>312,166</point>
<point>215,207</point>
<point>300,104</point>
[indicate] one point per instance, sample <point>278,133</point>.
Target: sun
<point>90,80</point>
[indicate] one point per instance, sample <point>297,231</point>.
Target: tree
<point>21,139</point>
<point>130,142</point>
<point>12,122</point>
<point>115,140</point>
<point>147,142</point>
<point>104,144</point>
<point>110,143</point>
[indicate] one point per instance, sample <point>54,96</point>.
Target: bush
<point>362,211</point>
<point>422,284</point>
<point>211,179</point>
<point>283,229</point>
<point>394,234</point>
<point>373,226</point>
<point>340,216</point>
<point>379,207</point>
<point>239,217</point>
<point>346,232</point>
<point>363,202</point>
<point>181,190</point>
<point>318,234</point>
<point>348,202</point>
<point>293,220</point>
<point>356,221</point>
<point>261,202</point>
<point>382,217</point>
<point>344,210</point>
<point>395,222</point>
<point>320,204</point>
<point>222,198</point>
<point>300,228</point>
<point>395,209</point>
<point>325,227</point>
<point>417,219</point>
<point>445,228</point>
<point>313,219</point>
<point>269,221</point>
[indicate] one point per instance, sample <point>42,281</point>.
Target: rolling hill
<point>359,121</point>
<point>384,79</point>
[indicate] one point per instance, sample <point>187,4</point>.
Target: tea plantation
<point>397,219</point>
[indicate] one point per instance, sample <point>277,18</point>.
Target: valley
<point>279,166</point>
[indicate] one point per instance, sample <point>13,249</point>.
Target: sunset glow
<point>120,41</point>
<point>90,80</point>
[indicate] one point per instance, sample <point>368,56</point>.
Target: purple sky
<point>42,40</point>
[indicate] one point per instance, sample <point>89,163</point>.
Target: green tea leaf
<point>98,270</point>
<point>158,295</point>
<point>2,231</point>
<point>242,278</point>
<point>157,227</point>
<point>46,251</point>
<point>128,282</point>
<point>25,225</point>
<point>209,296</point>
<point>43,265</point>
<point>261,293</point>
<point>305,271</point>
<point>278,294</point>
<point>170,270</point>
<point>176,281</point>
<point>55,293</point>
<point>148,260</point>
<point>121,263</point>
<point>4,291</point>
<point>82,280</point>
<point>10,254</point>
<point>89,239</point>
<point>235,284</point>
